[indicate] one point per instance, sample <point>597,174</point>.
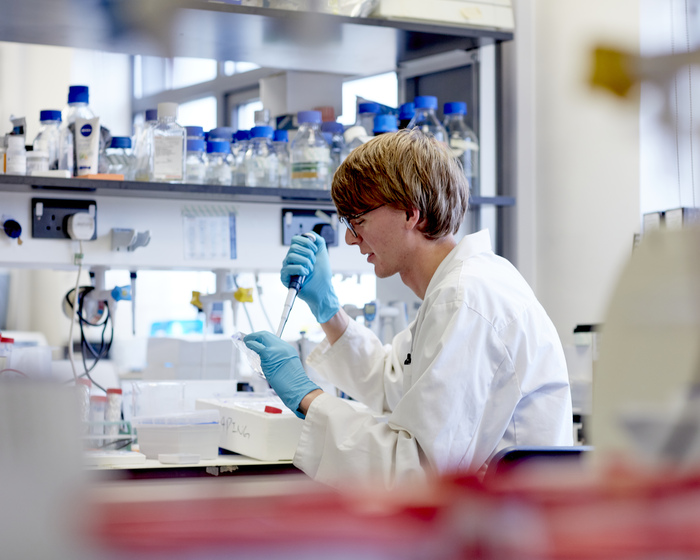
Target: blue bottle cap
<point>309,117</point>
<point>221,133</point>
<point>50,115</point>
<point>280,136</point>
<point>406,111</point>
<point>120,142</point>
<point>455,108</point>
<point>425,102</point>
<point>369,107</point>
<point>328,137</point>
<point>195,131</point>
<point>241,135</point>
<point>333,127</point>
<point>78,94</point>
<point>218,147</point>
<point>262,132</point>
<point>385,123</point>
<point>195,144</point>
<point>151,114</point>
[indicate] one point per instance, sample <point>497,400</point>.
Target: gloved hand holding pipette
<point>283,368</point>
<point>309,258</point>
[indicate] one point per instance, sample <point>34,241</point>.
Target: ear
<point>413,218</point>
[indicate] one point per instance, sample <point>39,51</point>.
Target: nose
<point>350,239</point>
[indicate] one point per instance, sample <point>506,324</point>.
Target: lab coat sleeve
<point>362,367</point>
<point>436,426</point>
<point>339,445</point>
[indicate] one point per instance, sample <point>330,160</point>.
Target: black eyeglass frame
<point>345,220</point>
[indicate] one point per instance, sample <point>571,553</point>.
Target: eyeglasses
<point>345,220</point>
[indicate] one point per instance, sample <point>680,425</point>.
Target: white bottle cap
<point>355,132</point>
<point>167,110</point>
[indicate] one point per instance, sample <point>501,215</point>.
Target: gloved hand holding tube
<point>282,367</point>
<point>309,258</point>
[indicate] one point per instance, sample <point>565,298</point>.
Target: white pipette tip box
<point>179,458</point>
<point>258,426</point>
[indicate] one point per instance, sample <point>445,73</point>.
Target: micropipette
<point>295,283</point>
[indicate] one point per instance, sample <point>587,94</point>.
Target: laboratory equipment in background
<point>385,123</point>
<point>169,146</point>
<point>280,141</point>
<point>581,358</point>
<point>195,434</point>
<point>15,156</point>
<point>406,112</point>
<point>195,162</point>
<point>195,132</point>
<point>91,141</point>
<point>6,345</point>
<point>94,307</point>
<point>49,139</point>
<point>463,142</point>
<point>262,117</point>
<point>143,147</point>
<point>258,426</point>
<point>261,163</point>
<point>385,320</point>
<point>355,136</point>
<point>37,161</point>
<point>119,157</point>
<point>310,154</point>
<point>238,151</point>
<point>78,98</point>
<point>12,228</point>
<point>366,112</point>
<point>425,118</point>
<point>218,169</point>
<point>339,150</point>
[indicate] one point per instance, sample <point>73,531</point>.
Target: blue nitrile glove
<point>282,367</point>
<point>310,259</point>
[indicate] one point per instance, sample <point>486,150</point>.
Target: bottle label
<point>168,157</point>
<point>309,170</point>
<point>16,164</point>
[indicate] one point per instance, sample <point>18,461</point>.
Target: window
<point>382,88</point>
<point>245,114</point>
<point>200,112</point>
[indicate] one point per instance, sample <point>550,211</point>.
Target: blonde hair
<point>405,169</point>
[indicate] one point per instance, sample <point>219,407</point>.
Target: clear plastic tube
<point>253,358</point>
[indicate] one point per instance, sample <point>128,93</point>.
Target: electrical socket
<point>50,216</point>
<point>296,221</point>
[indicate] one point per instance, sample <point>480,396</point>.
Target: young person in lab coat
<point>481,368</point>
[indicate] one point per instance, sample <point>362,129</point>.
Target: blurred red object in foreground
<point>543,513</point>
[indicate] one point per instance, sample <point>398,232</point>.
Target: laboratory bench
<point>225,464</point>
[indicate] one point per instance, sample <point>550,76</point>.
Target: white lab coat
<point>487,371</point>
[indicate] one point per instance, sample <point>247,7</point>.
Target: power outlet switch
<point>50,216</point>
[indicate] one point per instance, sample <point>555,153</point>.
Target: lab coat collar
<point>470,245</point>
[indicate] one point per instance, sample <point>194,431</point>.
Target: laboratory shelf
<point>138,189</point>
<point>273,38</point>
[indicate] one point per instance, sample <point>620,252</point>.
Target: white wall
<point>578,156</point>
